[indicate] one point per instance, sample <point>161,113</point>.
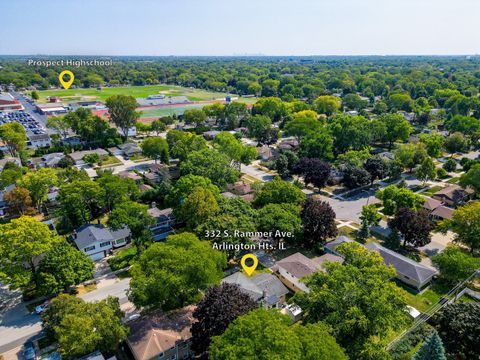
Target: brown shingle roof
<point>158,332</point>
<point>298,265</point>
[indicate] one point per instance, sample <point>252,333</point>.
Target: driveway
<point>438,244</point>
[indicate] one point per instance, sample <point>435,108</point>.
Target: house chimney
<point>74,234</point>
<point>153,204</point>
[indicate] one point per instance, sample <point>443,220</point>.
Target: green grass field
<point>168,110</point>
<point>135,91</point>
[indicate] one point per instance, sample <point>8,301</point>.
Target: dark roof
<point>404,265</point>
<point>454,192</point>
<point>443,212</point>
<point>332,245</point>
<point>431,204</point>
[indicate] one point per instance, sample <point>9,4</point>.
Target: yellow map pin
<point>249,269</point>
<point>66,84</point>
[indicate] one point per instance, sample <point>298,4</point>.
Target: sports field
<point>154,113</point>
<point>72,95</point>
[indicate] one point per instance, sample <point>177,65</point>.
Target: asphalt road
<point>16,323</point>
<point>117,289</point>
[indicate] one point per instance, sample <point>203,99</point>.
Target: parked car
<point>29,351</point>
<point>41,308</point>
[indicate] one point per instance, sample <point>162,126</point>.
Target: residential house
<point>97,241</point>
<point>454,195</point>
<point>437,210</point>
<point>97,355</point>
<point>36,141</point>
<point>156,172</point>
<point>289,144</point>
<point>46,161</point>
<point>6,160</point>
<point>3,203</point>
<point>410,272</point>
<point>78,156</point>
<point>210,135</point>
<point>331,246</point>
<point>266,152</point>
<point>240,188</point>
<point>160,336</point>
<point>265,289</point>
<point>228,195</point>
<point>294,268</point>
<point>130,149</point>
<point>130,175</point>
<point>164,220</point>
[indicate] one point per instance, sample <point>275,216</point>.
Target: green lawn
<point>122,259</point>
<point>110,160</point>
<point>426,299</point>
<point>453,180</point>
<point>168,110</point>
<point>135,91</point>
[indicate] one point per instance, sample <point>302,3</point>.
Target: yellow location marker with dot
<point>249,269</point>
<point>66,84</point>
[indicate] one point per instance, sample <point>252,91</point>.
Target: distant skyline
<point>247,27</point>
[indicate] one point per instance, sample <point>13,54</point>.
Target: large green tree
<point>121,109</point>
<point>458,326</point>
<point>431,349</point>
<point>395,198</point>
<point>465,223</point>
<point>135,216</point>
<point>266,334</point>
<point>229,145</point>
<point>211,164</point>
<point>283,220</point>
<point>278,191</point>
<point>38,183</point>
<point>472,178</point>
<point>116,190</point>
<point>327,104</point>
<point>357,298</point>
<point>157,149</point>
<point>22,242</point>
<point>182,143</point>
<point>397,128</point>
<point>14,135</point>
<point>80,201</point>
<point>81,328</point>
<point>199,205</point>
<point>455,265</point>
<point>170,275</point>
<point>185,185</point>
<point>63,267</point>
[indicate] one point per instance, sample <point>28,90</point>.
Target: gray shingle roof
<point>404,265</point>
<point>259,285</point>
<point>332,245</point>
<point>89,234</point>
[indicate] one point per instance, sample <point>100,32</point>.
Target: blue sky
<point>225,27</point>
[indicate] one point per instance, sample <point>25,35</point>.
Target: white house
<point>97,241</point>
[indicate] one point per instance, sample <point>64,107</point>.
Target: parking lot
<point>33,127</point>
